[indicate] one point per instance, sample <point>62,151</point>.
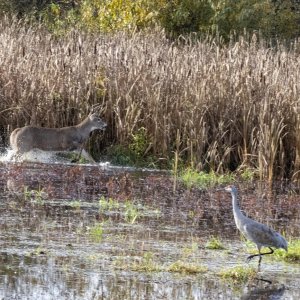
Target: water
<point>58,241</point>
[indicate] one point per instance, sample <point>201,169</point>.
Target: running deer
<point>70,138</point>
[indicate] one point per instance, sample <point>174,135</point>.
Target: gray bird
<point>258,233</point>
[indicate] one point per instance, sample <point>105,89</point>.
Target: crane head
<point>231,189</point>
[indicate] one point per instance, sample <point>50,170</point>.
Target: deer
<point>71,138</point>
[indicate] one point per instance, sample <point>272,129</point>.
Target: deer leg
<point>76,159</point>
<point>87,156</point>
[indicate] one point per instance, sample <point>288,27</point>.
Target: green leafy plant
<point>214,243</point>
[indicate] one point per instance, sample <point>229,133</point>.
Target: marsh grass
<point>95,232</point>
<point>238,274</point>
<point>225,105</point>
<point>192,178</point>
<point>185,268</point>
<point>214,243</point>
<point>144,264</point>
<point>35,195</point>
<point>147,263</point>
<point>108,204</point>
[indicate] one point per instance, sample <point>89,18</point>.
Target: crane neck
<point>235,206</point>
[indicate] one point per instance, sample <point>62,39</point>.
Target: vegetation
<point>186,268</point>
<point>144,264</point>
<point>214,243</point>
<point>96,232</point>
<point>293,254</point>
<point>271,18</point>
<point>216,106</point>
<point>192,178</point>
<point>148,264</point>
<point>238,274</point>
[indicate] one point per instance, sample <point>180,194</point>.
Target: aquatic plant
<point>35,195</point>
<point>96,232</point>
<point>238,274</point>
<point>190,250</point>
<point>214,243</point>
<point>186,268</point>
<point>108,204</point>
<point>131,212</point>
<point>143,264</point>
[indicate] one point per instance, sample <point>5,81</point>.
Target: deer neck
<point>85,127</point>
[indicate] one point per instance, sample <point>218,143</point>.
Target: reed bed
<point>213,106</point>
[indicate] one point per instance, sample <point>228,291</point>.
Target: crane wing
<point>261,234</point>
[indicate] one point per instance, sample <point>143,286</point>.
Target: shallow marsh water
<point>59,242</point>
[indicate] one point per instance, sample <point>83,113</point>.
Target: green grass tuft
<point>293,254</point>
<point>96,232</point>
<point>238,274</point>
<point>192,178</point>
<point>214,243</point>
<point>186,268</point>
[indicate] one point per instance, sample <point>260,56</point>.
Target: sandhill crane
<point>258,233</point>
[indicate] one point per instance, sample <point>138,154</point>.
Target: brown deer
<point>70,138</point>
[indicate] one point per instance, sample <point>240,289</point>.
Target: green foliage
<point>108,204</point>
<point>139,142</point>
<point>186,268</point>
<point>35,195</point>
<point>143,264</point>
<point>247,174</point>
<point>293,254</point>
<point>214,243</point>
<point>186,16</point>
<point>271,18</point>
<point>131,212</point>
<point>96,232</point>
<point>238,274</point>
<point>192,178</point>
<point>112,15</point>
<point>133,154</point>
<point>75,204</point>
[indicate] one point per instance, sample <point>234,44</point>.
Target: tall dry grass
<point>218,107</point>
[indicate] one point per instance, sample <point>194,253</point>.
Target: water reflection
<point>47,251</point>
<point>264,292</point>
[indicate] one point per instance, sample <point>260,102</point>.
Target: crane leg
<point>260,255</point>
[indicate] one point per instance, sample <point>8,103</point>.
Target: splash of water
<point>39,156</point>
<point>35,155</point>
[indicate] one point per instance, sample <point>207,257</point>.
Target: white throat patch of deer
<point>70,138</point>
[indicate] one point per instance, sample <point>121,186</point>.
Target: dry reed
<point>229,106</point>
